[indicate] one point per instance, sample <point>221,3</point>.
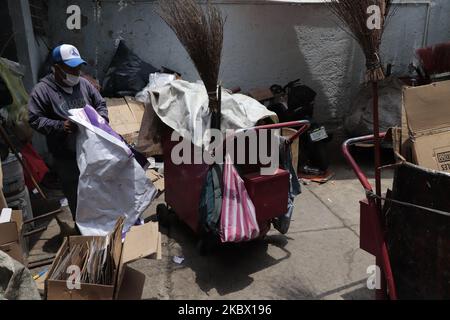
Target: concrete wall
<point>31,50</point>
<point>264,43</point>
<point>31,53</point>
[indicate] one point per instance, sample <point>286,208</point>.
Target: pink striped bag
<point>238,218</point>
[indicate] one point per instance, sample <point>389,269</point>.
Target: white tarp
<point>183,106</point>
<point>112,183</point>
<point>156,80</point>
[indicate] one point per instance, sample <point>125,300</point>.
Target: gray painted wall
<point>30,50</point>
<point>264,43</point>
<point>31,53</point>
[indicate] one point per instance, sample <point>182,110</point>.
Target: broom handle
<point>376,132</point>
<point>25,167</point>
<point>381,293</point>
<point>216,115</point>
<point>219,107</point>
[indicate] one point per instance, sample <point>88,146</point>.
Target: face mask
<point>69,79</point>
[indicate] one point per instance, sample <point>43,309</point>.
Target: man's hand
<point>70,127</point>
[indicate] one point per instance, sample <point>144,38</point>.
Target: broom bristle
<point>435,60</point>
<point>200,32</point>
<point>442,58</point>
<point>354,15</point>
<point>426,58</point>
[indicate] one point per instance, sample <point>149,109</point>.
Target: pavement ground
<point>318,259</point>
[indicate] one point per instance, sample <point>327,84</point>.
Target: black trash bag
<point>127,74</point>
<point>298,102</point>
<point>300,99</point>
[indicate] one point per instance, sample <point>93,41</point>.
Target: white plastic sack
<point>156,80</point>
<point>112,183</point>
<point>183,106</point>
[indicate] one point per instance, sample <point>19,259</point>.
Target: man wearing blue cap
<point>49,105</point>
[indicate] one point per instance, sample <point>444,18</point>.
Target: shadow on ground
<point>228,268</point>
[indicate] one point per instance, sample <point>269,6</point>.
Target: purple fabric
<point>96,120</point>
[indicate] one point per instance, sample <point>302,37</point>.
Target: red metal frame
<point>303,124</point>
<point>184,182</point>
<point>372,233</point>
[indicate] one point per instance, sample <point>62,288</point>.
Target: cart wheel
<point>162,214</point>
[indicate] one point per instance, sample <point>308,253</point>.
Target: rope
<point>371,194</point>
<point>374,64</point>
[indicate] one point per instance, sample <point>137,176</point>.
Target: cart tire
<point>162,214</point>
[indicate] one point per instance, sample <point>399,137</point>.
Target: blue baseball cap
<point>67,54</point>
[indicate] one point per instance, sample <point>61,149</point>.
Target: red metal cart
<point>372,228</point>
<point>184,183</point>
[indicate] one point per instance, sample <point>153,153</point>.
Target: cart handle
<point>303,124</point>
<point>356,168</point>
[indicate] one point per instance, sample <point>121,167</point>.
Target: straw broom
<point>200,31</point>
<point>355,17</point>
<point>435,60</point>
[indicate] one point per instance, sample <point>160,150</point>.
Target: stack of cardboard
<point>94,259</point>
<point>425,134</point>
<point>11,235</point>
<point>125,117</point>
<point>99,278</point>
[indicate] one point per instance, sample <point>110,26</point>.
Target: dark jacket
<point>48,109</point>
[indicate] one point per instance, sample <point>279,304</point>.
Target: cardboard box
<point>157,179</point>
<point>14,250</point>
<point>125,117</point>
<point>427,111</point>
<point>261,94</point>
<point>141,241</point>
<point>3,203</point>
<point>11,237</point>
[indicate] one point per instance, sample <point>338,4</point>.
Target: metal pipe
<point>40,263</point>
<point>389,277</point>
<point>297,123</point>
<point>427,26</point>
<point>44,216</point>
<point>382,258</point>
<point>29,234</point>
<point>356,168</point>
